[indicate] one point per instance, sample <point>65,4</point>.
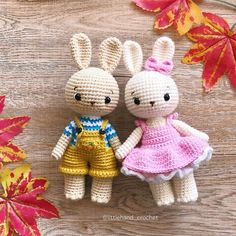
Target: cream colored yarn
<point>133,58</point>
<point>147,87</point>
<point>81,50</point>
<point>187,130</point>
<point>93,85</point>
<point>74,187</point>
<point>110,53</point>
<point>61,146</point>
<point>129,144</point>
<point>163,49</point>
<point>115,143</point>
<point>150,87</point>
<point>101,190</point>
<point>185,189</point>
<point>162,193</point>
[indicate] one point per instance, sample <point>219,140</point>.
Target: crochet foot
<point>101,190</point>
<point>73,196</point>
<point>186,189</point>
<point>162,193</point>
<point>74,187</point>
<point>101,199</point>
<point>185,199</point>
<point>166,202</point>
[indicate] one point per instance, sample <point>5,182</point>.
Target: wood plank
<point>35,63</point>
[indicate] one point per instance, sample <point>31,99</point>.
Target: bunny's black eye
<point>136,101</point>
<point>167,97</point>
<point>107,100</point>
<point>77,97</point>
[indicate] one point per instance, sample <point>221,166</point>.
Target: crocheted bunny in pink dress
<point>162,150</point>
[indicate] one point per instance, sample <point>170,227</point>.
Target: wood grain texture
<point>35,63</point>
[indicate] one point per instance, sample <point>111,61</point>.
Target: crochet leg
<point>101,190</point>
<point>162,193</point>
<point>74,186</point>
<point>185,189</point>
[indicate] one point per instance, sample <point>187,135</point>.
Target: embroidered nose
<point>152,103</point>
<point>92,103</point>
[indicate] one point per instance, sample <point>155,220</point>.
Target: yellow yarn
<point>90,149</point>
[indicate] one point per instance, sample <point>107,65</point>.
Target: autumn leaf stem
<point>226,3</point>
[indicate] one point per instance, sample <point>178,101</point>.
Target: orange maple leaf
<point>180,13</point>
<point>21,202</point>
<point>215,46</point>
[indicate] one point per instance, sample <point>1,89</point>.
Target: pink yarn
<point>164,67</point>
<point>163,150</point>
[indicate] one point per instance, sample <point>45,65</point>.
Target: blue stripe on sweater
<point>92,124</point>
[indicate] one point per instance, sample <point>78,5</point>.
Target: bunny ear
<point>133,57</point>
<point>81,50</point>
<point>110,52</point>
<point>163,49</point>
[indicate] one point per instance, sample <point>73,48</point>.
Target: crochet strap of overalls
<point>80,126</point>
<point>91,139</point>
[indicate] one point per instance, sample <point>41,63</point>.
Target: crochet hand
<point>120,154</point>
<point>129,144</point>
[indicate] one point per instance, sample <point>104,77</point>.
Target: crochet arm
<point>112,137</point>
<point>129,144</point>
<point>187,130</point>
<point>61,146</point>
<point>115,143</point>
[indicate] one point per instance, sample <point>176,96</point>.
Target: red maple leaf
<point>20,203</point>
<point>215,46</point>
<point>9,128</point>
<point>180,13</point>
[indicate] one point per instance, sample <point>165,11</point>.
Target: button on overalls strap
<point>79,125</point>
<point>103,126</point>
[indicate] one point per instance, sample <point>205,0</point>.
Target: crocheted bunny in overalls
<point>88,143</point>
<point>162,150</point>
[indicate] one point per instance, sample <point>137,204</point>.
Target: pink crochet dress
<point>164,153</point>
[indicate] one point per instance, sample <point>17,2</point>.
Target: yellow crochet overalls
<point>90,155</point>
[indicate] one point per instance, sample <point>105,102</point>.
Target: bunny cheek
<point>157,95</point>
<point>92,91</point>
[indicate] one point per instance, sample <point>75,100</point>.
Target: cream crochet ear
<point>110,52</point>
<point>81,50</point>
<point>163,49</point>
<point>133,57</point>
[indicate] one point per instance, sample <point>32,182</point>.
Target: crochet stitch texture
<point>91,124</point>
<point>162,150</point>
<point>91,148</point>
<point>88,143</point>
<point>163,153</point>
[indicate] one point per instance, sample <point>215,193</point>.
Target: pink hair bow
<point>164,67</point>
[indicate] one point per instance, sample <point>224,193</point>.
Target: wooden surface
<point>35,63</point>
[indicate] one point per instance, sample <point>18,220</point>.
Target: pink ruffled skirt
<point>173,159</point>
